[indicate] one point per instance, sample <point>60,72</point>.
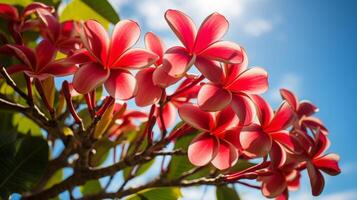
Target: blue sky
<point>306,46</point>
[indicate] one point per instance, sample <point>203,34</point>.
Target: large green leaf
<point>167,193</point>
<point>224,192</point>
<point>25,125</point>
<point>91,187</point>
<point>22,162</point>
<point>103,8</point>
<point>22,3</point>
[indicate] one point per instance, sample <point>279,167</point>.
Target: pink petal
<point>224,51</point>
<point>183,27</point>
<point>254,141</point>
<point>244,108</point>
<point>314,123</point>
<point>88,77</point>
<point>210,69</point>
<point>8,12</point>
<point>317,181</point>
<point>79,57</point>
<point>290,97</point>
<point>135,59</point>
<point>202,149</point>
<point>45,53</point>
<point>283,118</point>
<point>17,68</point>
<point>52,25</point>
<point>225,120</point>
<point>307,108</point>
<point>162,78</point>
<point>24,54</point>
<point>96,40</point>
<point>227,156</point>
<point>264,111</point>
<point>169,113</point>
<point>283,138</point>
<point>273,185</point>
<point>59,68</point>
<point>197,118</point>
<point>125,34</point>
<point>177,61</point>
<point>213,98</point>
<point>32,7</point>
<point>251,81</point>
<point>234,70</point>
<point>121,84</point>
<point>328,164</point>
<point>154,44</point>
<point>147,93</point>
<point>212,29</point>
<point>277,155</point>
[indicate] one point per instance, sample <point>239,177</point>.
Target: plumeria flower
<point>111,59</point>
<point>203,48</point>
<point>237,83</point>
<point>39,63</point>
<point>18,22</point>
<point>317,160</point>
<point>304,110</point>
<point>211,145</point>
<point>270,136</point>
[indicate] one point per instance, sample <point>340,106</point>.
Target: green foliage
<point>224,193</point>
<point>167,193</point>
<point>103,8</point>
<point>102,148</point>
<point>91,187</point>
<point>141,169</point>
<point>56,178</point>
<point>25,125</point>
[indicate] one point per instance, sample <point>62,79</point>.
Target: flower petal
<point>273,185</point>
<point>328,164</point>
<point>177,61</point>
<point>121,84</point>
<point>52,27</point>
<point>213,98</point>
<point>147,93</point>
<point>125,34</point>
<point>264,111</point>
<point>283,118</point>
<point>277,155</point>
<point>197,118</point>
<point>224,51</point>
<point>317,181</point>
<point>88,77</point>
<point>162,78</point>
<point>169,113</point>
<point>254,141</point>
<point>25,55</point>
<point>59,68</point>
<point>307,108</point>
<point>17,68</point>
<point>210,69</point>
<point>227,155</point>
<point>212,29</point>
<point>45,53</point>
<point>183,27</point>
<point>202,149</point>
<point>234,70</point>
<point>154,44</point>
<point>290,97</point>
<point>34,6</point>
<point>244,108</point>
<point>251,81</point>
<point>8,12</point>
<point>225,120</point>
<point>135,59</point>
<point>96,40</point>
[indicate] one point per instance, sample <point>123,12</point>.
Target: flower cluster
<point>223,103</point>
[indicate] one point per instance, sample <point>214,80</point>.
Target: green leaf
<point>78,10</point>
<point>102,148</point>
<point>22,162</point>
<point>56,178</point>
<point>142,169</point>
<point>91,187</point>
<point>25,125</point>
<point>103,8</point>
<point>22,3</point>
<point>167,193</point>
<point>225,192</point>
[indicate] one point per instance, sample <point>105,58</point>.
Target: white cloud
<point>288,81</point>
<point>151,12</point>
<point>258,27</point>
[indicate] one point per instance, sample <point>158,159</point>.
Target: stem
<point>195,82</point>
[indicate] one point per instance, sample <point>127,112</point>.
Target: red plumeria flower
<point>237,83</point>
<point>304,110</point>
<point>203,48</point>
<point>212,144</point>
<point>270,136</point>
<point>40,62</point>
<point>17,22</point>
<point>63,35</point>
<point>317,160</point>
<point>112,59</point>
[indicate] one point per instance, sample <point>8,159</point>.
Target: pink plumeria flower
<point>203,48</point>
<point>212,144</point>
<point>40,62</point>
<point>112,59</point>
<point>237,84</point>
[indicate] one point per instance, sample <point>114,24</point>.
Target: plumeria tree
<point>121,110</point>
